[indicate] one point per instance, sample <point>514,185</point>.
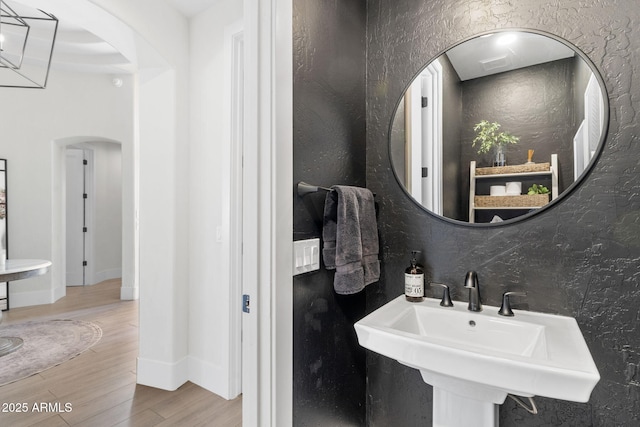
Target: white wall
<point>73,105</point>
<point>210,302</point>
<point>163,110</point>
<point>155,37</point>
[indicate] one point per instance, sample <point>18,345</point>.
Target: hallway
<point>100,384</point>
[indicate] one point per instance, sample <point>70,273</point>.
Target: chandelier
<point>27,38</point>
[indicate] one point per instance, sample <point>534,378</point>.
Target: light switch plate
<point>306,256</point>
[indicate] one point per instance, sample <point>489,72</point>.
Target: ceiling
<point>504,51</point>
<point>77,49</point>
<point>191,8</point>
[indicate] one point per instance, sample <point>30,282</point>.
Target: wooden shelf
<point>514,169</point>
<point>514,175</point>
<point>511,202</point>
<point>547,171</point>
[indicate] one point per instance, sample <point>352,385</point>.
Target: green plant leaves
<point>537,189</point>
<point>487,136</point>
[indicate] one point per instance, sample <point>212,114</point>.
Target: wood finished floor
<point>100,384</point>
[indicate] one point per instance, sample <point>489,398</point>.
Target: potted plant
<point>539,194</point>
<point>537,189</point>
<point>489,137</point>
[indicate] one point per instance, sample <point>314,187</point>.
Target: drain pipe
<point>532,409</point>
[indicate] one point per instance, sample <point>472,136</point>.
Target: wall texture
<point>588,245</point>
<point>329,148</point>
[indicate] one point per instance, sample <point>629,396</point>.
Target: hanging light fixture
<point>27,38</point>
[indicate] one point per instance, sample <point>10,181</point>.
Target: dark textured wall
<point>579,258</point>
<point>329,148</point>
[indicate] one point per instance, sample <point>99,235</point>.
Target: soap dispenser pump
<point>414,280</point>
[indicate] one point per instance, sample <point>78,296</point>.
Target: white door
<point>431,138</point>
<point>75,216</point>
<point>425,118</point>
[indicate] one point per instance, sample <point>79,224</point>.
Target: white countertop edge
<point>21,265</point>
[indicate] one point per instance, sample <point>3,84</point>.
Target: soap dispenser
<point>414,280</point>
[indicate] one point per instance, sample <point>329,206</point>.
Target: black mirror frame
<point>570,189</point>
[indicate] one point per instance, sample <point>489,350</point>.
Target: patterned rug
<point>46,344</point>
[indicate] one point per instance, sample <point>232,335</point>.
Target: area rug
<point>46,344</point>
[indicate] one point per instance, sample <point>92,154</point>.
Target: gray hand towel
<point>350,235</point>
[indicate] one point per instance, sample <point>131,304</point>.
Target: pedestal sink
<point>474,360</point>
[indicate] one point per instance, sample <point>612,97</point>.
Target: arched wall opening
<point>155,163</point>
<point>129,246</point>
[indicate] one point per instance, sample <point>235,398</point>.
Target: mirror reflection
<point>497,127</point>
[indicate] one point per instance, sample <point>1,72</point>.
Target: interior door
<point>75,216</point>
<point>431,137</point>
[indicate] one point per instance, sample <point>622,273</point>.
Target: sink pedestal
<point>461,403</point>
<point>451,410</point>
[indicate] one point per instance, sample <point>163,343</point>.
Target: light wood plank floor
<point>100,384</point>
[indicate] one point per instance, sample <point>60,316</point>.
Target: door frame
<point>234,96</point>
<point>129,289</point>
<point>268,214</point>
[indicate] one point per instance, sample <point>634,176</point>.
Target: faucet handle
<point>505,308</point>
<point>446,296</point>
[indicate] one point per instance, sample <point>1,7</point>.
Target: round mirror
<point>498,127</point>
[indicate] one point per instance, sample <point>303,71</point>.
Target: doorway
<point>91,210</point>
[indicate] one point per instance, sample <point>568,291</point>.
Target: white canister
<point>498,190</point>
<point>514,188</point>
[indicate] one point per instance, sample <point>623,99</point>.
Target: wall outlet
<point>306,256</point>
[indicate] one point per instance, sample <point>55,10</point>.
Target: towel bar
<point>304,188</point>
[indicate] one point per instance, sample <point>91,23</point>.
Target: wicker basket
<point>498,170</point>
<point>524,201</point>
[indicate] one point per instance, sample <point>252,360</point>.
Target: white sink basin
<point>484,356</point>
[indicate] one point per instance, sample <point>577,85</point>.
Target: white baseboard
<point>170,376</point>
<point>128,293</point>
<point>210,377</point>
<point>101,276</point>
<point>59,292</point>
<point>162,375</point>
<point>27,299</point>
<point>74,279</point>
<point>95,278</point>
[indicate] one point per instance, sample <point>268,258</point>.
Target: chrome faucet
<point>471,283</point>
